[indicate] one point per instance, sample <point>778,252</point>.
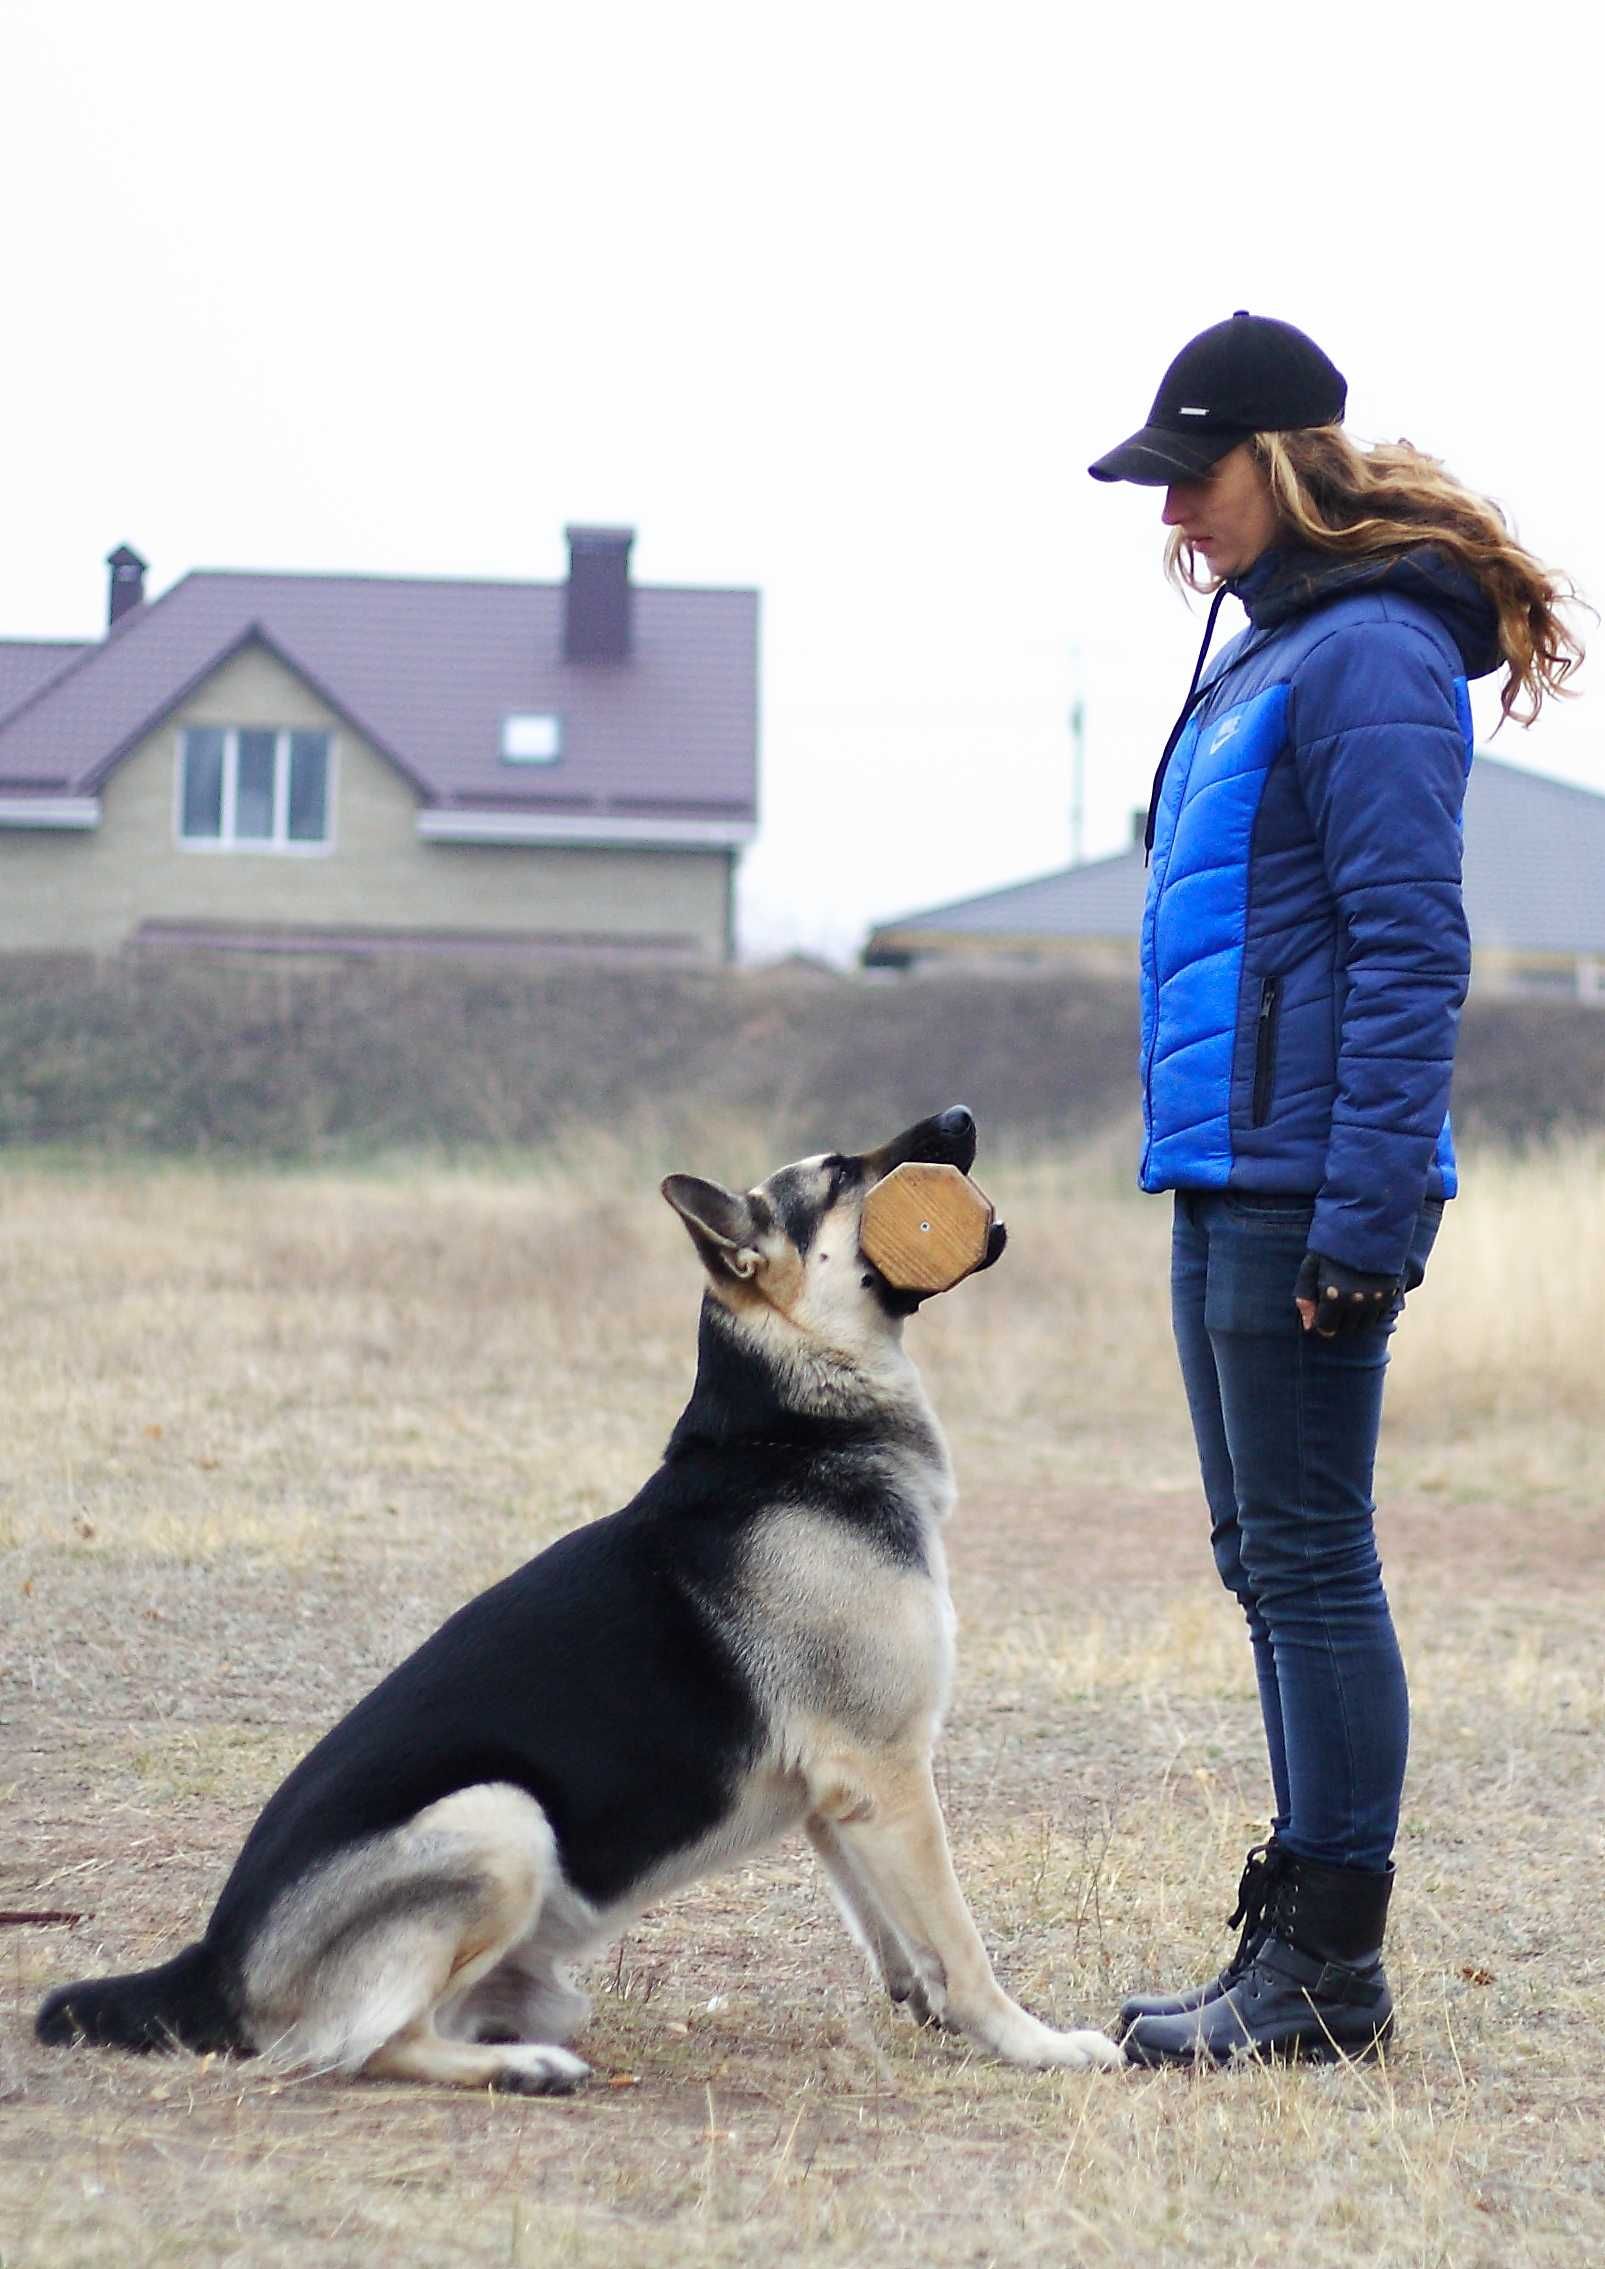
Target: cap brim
<point>1156,456</point>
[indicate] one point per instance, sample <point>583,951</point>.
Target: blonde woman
<point>1304,959</point>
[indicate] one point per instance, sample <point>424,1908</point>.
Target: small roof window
<point>530,737</point>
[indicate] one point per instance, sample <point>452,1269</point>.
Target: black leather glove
<point>1345,1301</point>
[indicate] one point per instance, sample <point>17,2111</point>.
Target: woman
<point>1304,958</point>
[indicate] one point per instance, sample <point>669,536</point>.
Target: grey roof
<point>427,670</point>
<point>1535,862</point>
<point>1534,880</point>
<point>1099,899</point>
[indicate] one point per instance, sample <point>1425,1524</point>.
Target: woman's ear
<point>721,1225</point>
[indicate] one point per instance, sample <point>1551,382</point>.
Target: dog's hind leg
<point>512,2068</point>
<point>528,1996</point>
<point>895,1839</point>
<point>358,1965</point>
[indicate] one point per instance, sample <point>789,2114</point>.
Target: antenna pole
<point>1078,763</point>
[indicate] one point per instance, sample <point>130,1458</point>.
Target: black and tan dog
<point>762,1639</point>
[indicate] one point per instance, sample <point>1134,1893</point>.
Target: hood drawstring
<point>1176,730</point>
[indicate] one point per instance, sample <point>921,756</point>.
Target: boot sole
<point>1294,2048</point>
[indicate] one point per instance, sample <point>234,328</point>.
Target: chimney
<point>596,603</point>
<point>127,589</point>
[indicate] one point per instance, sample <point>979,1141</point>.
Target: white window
<point>253,787</point>
<point>531,739</point>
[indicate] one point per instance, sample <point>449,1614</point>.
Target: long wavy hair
<point>1334,496</point>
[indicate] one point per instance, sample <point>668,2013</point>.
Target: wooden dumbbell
<point>926,1227</point>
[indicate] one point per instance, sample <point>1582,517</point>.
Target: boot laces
<point>1256,1903</point>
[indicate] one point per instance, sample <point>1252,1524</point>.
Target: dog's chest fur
<point>835,1603</point>
<point>843,1635</point>
<point>831,1627</point>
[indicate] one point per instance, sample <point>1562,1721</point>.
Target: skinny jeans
<point>1286,1425</point>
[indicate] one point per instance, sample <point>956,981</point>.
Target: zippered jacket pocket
<point>1270,1010</point>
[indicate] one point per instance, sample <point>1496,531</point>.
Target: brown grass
<point>264,1429</point>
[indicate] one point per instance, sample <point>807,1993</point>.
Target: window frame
<point>280,844</point>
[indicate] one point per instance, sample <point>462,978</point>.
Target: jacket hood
<point>1283,583</point>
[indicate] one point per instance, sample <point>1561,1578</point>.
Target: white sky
<point>837,300</point>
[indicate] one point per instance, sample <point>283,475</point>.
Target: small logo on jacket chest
<point>1225,729</point>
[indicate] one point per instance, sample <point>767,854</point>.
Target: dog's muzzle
<point>948,1139</point>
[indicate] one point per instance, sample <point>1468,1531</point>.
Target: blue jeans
<point>1286,1425</point>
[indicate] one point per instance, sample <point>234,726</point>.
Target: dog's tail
<point>186,2003</point>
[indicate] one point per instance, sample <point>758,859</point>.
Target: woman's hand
<point>1334,1301</point>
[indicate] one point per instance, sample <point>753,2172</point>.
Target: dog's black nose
<point>956,1124</point>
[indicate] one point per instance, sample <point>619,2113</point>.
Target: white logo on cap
<point>1194,413</point>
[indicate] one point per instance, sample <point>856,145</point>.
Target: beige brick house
<point>343,763</point>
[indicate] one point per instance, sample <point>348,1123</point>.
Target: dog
<point>761,1639</point>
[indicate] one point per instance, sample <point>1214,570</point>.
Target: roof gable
<point>253,634</point>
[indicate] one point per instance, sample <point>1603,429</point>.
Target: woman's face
<point>1228,516</point>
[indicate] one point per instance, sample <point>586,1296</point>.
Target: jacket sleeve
<point>1381,757</point>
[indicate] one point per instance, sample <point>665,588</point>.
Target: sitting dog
<point>761,1639</point>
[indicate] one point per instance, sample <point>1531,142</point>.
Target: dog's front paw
<point>1024,2039</point>
<point>1095,2051</point>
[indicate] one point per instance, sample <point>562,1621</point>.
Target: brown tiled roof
<point>426,670</point>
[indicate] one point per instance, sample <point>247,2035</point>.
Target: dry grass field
<point>265,1427</point>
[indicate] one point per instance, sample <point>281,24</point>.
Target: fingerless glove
<point>1345,1300</point>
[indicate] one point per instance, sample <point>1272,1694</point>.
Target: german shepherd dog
<point>761,1639</point>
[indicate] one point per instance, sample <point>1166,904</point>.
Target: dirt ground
<point>265,1433</point>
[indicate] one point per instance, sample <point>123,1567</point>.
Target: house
<point>1534,886</point>
<point>294,763</point>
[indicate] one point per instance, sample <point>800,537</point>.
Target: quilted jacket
<point>1304,946</point>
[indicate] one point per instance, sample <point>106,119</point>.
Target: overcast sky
<point>836,300</point>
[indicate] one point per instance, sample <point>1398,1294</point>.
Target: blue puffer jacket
<point>1304,948</point>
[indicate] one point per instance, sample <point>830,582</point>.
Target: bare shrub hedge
<point>310,1060</point>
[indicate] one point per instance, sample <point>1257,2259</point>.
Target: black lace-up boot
<point>1313,1987</point>
<point>1259,1875</point>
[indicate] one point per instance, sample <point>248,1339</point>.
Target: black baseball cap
<point>1250,374</point>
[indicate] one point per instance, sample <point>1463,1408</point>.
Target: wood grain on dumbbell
<point>926,1227</point>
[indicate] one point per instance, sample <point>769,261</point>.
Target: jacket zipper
<point>1270,1002</point>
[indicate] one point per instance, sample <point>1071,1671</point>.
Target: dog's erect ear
<point>720,1222</point>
